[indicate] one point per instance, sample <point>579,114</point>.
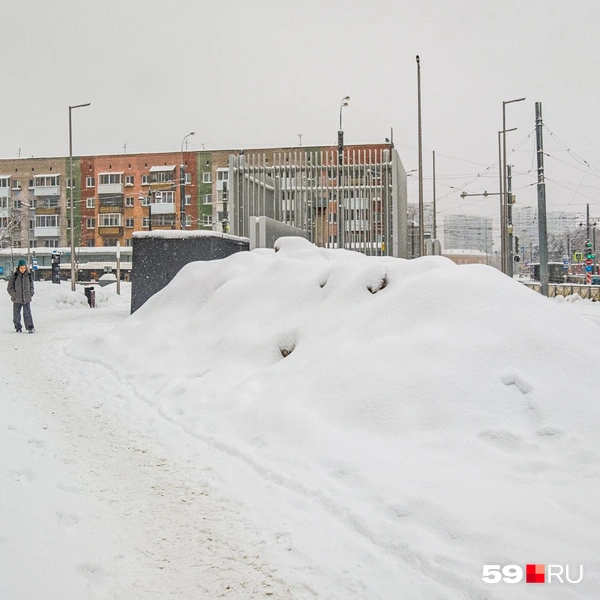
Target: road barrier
<point>587,292</point>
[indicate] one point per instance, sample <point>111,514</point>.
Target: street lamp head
<point>515,100</point>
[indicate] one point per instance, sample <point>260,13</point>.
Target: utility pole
<point>300,138</point>
<point>341,212</point>
<point>421,211</point>
<point>587,221</point>
<point>434,201</point>
<point>502,222</point>
<point>541,196</point>
<point>595,271</point>
<point>510,257</point>
<point>504,198</point>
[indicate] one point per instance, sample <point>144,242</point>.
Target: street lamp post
<point>506,243</point>
<point>420,150</point>
<point>71,194</point>
<point>340,220</point>
<point>182,185</point>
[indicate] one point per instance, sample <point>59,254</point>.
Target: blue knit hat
<point>22,263</point>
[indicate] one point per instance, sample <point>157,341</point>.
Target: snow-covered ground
<point>300,424</point>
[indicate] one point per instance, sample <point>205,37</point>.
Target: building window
<point>90,243</point>
<point>162,177</point>
<point>69,183</point>
<point>188,178</point>
<point>163,220</point>
<point>129,222</point>
<point>90,223</point>
<point>145,222</point>
<point>46,181</point>
<point>90,182</point>
<point>129,179</point>
<point>108,178</point>
<point>51,243</point>
<point>164,197</point>
<point>110,242</point>
<point>4,182</point>
<point>188,220</point>
<point>207,220</point>
<point>129,242</point>
<point>16,184</point>
<point>188,200</point>
<point>109,220</point>
<point>46,221</point>
<point>207,177</point>
<point>129,200</point>
<point>223,175</point>
<point>145,179</point>
<point>207,198</point>
<point>89,203</point>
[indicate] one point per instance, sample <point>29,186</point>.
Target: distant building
<point>468,232</point>
<point>467,257</point>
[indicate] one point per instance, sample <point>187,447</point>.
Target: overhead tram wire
<point>578,158</point>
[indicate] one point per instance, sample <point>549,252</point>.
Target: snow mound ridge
<point>363,383</point>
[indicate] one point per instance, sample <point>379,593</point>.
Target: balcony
<point>46,232</point>
<point>110,183</point>
<point>5,192</point>
<point>163,208</point>
<point>110,188</point>
<point>111,204</point>
<point>110,231</point>
<point>47,210</point>
<point>46,190</point>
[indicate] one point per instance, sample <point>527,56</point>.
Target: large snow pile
<point>443,414</point>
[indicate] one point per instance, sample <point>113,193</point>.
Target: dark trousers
<point>26,315</point>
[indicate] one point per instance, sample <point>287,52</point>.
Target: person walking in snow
<point>20,288</point>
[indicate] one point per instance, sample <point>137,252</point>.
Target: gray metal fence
<point>358,203</point>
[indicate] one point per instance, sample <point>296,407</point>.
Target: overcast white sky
<point>258,73</point>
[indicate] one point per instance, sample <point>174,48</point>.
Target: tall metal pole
<point>340,212</point>
<point>434,201</point>
<point>504,184</point>
<point>587,221</point>
<point>595,271</point>
<point>421,211</point>
<point>72,219</point>
<point>182,185</point>
<point>71,195</point>
<point>501,173</point>
<point>541,195</point>
<point>505,249</point>
<point>509,262</point>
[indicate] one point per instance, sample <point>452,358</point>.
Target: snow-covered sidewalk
<point>301,424</point>
<point>100,497</point>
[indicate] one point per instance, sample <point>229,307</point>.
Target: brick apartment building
<point>111,194</point>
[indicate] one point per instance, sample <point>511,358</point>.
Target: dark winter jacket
<point>20,287</point>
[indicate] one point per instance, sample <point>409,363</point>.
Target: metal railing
<point>587,292</point>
